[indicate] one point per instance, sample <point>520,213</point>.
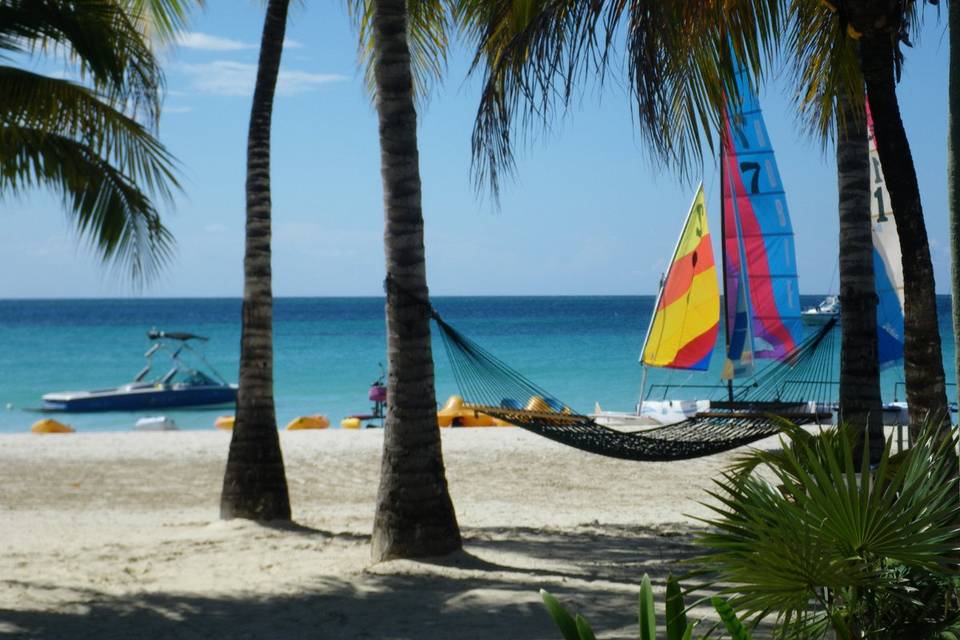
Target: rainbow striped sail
<point>760,268</point>
<point>887,265</point>
<point>686,319</point>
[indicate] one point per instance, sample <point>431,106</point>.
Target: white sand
<point>116,535</point>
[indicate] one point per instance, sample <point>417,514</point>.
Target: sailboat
<point>828,309</point>
<point>747,285</point>
<point>762,301</point>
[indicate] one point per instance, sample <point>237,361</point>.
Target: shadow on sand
<point>488,591</point>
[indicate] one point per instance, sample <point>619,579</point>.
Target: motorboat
<point>183,385</point>
<point>828,309</point>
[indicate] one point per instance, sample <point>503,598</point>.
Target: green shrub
<point>677,626</point>
<point>822,547</point>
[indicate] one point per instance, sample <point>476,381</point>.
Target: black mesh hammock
<point>491,387</point>
<point>795,389</point>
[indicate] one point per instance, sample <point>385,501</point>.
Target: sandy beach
<point>116,535</point>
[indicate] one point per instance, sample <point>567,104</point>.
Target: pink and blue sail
<point>760,268</point>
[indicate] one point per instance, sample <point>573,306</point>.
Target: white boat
<point>156,423</point>
<point>651,413</point>
<point>828,309</point>
<point>184,385</point>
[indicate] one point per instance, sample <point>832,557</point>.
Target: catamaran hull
<point>141,398</point>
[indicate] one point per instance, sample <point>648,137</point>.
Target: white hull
<point>156,423</point>
<point>663,412</point>
<point>654,413</point>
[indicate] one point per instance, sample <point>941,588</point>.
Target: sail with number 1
<point>887,265</point>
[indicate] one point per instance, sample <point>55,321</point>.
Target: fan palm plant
<point>255,484</point>
<point>799,534</point>
<point>414,514</point>
<point>93,142</point>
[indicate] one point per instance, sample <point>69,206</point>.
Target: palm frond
<point>73,111</point>
<point>99,37</point>
<point>108,207</point>
<point>162,19</point>
<point>429,24</point>
<point>822,526</point>
<point>825,68</point>
<point>536,55</point>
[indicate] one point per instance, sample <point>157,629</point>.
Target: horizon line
<point>357,297</point>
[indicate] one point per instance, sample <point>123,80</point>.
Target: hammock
<point>785,390</point>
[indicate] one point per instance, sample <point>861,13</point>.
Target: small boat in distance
<point>828,309</point>
<point>183,385</point>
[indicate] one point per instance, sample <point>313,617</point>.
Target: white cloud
<point>206,42</point>
<point>225,77</point>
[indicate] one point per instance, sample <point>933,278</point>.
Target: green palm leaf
<point>92,141</point>
<point>564,621</point>
<point>828,528</point>
<point>537,55</point>
<point>428,35</point>
<point>110,210</point>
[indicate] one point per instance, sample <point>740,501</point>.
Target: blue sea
<point>328,350</point>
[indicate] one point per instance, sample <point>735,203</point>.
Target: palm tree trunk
<point>953,179</point>
<point>923,361</point>
<point>414,516</point>
<point>860,403</point>
<point>255,485</point>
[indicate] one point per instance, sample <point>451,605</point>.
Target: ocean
<point>328,351</point>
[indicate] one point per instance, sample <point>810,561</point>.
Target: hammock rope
<point>491,387</point>
<point>782,391</point>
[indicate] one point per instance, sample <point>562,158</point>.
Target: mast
<point>723,254</point>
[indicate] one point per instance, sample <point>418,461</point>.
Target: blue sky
<point>586,214</point>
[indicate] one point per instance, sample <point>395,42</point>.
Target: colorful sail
<point>760,262</point>
<point>887,264</point>
<point>686,319</point>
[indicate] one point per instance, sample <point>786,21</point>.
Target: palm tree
<point>414,513</point>
<point>879,26</point>
<point>254,485</point>
<point>86,141</point>
<point>826,69</point>
<point>860,403</point>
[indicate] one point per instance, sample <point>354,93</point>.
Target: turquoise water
<point>582,349</point>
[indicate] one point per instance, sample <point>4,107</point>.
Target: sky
<point>586,214</point>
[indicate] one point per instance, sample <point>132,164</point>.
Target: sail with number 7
<point>761,295</point>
